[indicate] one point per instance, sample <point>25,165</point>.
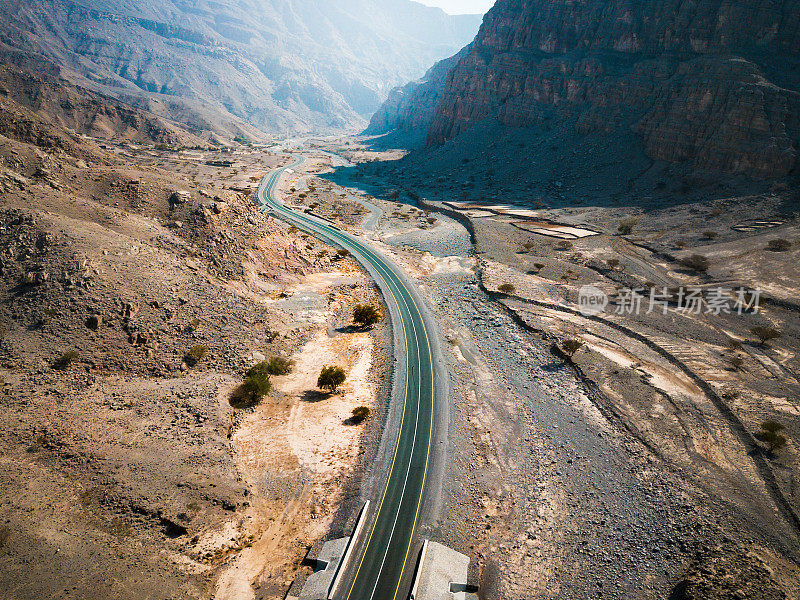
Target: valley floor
<point>634,469</point>
<point>126,470</point>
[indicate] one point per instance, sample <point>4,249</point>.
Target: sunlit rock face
<point>278,65</point>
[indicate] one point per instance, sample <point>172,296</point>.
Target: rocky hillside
<point>38,106</point>
<point>711,85</point>
<point>277,65</point>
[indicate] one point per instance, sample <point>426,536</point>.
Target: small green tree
<point>538,266</point>
<point>250,391</point>
<point>507,288</point>
<point>330,378</point>
<point>765,334</point>
<point>258,370</point>
<point>626,227</point>
<point>366,315</point>
<point>360,414</point>
<point>570,347</point>
<point>278,365</point>
<point>770,434</point>
<point>255,386</point>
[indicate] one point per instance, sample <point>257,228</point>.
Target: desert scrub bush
<point>65,360</point>
<point>734,344</point>
<point>626,227</point>
<point>730,395</point>
<point>343,252</point>
<point>613,262</point>
<point>507,288</point>
<point>695,262</point>
<point>255,386</point>
<point>5,533</point>
<point>195,354</point>
<point>710,235</point>
<point>538,266</point>
<point>192,325</point>
<point>779,245</point>
<point>278,365</point>
<point>258,370</point>
<point>770,434</point>
<point>360,414</point>
<point>765,334</point>
<point>570,346</point>
<point>563,245</point>
<point>736,362</point>
<point>366,315</point>
<point>330,378</point>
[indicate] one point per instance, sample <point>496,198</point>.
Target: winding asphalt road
<point>384,559</point>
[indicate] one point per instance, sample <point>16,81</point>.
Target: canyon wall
<point>711,84</point>
<point>409,110</point>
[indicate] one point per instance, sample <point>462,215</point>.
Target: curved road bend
<point>386,558</point>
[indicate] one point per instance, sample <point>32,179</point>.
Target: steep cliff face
<point>279,65</point>
<point>712,84</point>
<point>409,110</point>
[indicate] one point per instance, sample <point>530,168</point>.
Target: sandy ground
<point>303,431</point>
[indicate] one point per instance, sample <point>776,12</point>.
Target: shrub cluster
<point>195,354</point>
<point>360,414</point>
<point>65,360</point>
<point>278,365</point>
<point>696,262</point>
<point>330,378</point>
<point>255,386</point>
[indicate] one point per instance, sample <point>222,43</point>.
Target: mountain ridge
<point>291,66</point>
<point>714,87</point>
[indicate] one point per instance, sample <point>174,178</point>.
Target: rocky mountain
<point>409,110</point>
<point>275,65</point>
<point>40,108</point>
<point>711,85</point>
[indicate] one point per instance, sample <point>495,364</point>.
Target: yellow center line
<point>368,251</point>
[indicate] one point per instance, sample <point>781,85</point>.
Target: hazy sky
<point>456,7</point>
